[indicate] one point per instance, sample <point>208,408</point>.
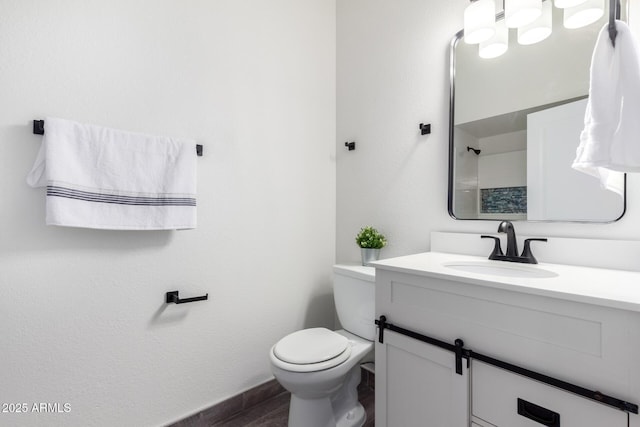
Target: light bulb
<point>496,45</point>
<point>539,29</point>
<point>521,12</point>
<point>479,21</point>
<point>583,14</point>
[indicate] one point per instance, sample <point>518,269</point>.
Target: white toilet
<point>321,368</point>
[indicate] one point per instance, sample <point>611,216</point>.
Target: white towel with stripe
<point>104,178</point>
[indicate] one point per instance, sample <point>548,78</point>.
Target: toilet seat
<point>311,350</point>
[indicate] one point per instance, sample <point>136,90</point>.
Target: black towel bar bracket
<point>425,129</point>
<point>173,297</point>
<point>38,129</point>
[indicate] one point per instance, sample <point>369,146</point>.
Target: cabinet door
<point>417,385</point>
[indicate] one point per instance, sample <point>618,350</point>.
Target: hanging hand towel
<point>104,178</point>
<point>610,141</point>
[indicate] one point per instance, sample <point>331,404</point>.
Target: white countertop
<point>604,287</point>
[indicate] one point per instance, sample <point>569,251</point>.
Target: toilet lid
<point>310,346</point>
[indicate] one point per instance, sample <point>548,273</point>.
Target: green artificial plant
<point>369,237</point>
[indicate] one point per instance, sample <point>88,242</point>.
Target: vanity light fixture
<point>496,45</point>
<point>518,13</point>
<point>539,29</point>
<point>533,20</point>
<point>479,21</point>
<point>583,14</point>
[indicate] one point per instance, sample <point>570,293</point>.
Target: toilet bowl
<point>320,367</point>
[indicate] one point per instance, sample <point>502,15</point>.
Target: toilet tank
<point>354,294</point>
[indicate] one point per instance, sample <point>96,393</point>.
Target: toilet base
<point>339,410</point>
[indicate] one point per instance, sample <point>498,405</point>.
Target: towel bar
<point>38,129</point>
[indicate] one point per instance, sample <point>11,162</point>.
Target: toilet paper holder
<point>173,297</point>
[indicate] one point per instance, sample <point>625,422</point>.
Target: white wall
<point>502,170</point>
<point>392,75</point>
<point>465,200</point>
<point>504,142</point>
<point>82,311</point>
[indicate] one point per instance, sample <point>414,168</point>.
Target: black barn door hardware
<point>457,348</point>
<point>461,352</point>
<point>172,297</point>
<point>38,129</point>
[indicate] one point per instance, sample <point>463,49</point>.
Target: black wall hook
<point>425,129</point>
<point>172,297</point>
<point>350,145</point>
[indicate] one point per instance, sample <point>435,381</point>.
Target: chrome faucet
<point>512,246</point>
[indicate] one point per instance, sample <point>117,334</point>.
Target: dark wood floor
<point>274,411</point>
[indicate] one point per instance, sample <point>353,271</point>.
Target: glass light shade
<point>567,3</point>
<point>521,12</point>
<point>584,14</point>
<point>479,21</point>
<point>539,29</point>
<point>496,45</point>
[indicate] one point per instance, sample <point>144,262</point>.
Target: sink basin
<point>500,268</point>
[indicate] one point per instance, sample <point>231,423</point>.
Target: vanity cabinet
<point>572,338</point>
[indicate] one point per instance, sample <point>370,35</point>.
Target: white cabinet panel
<point>417,385</point>
<point>495,394</point>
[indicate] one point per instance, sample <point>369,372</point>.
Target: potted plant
<point>370,241</point>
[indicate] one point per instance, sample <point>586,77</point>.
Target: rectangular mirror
<point>515,123</point>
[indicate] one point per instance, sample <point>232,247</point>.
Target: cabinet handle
<point>538,414</point>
